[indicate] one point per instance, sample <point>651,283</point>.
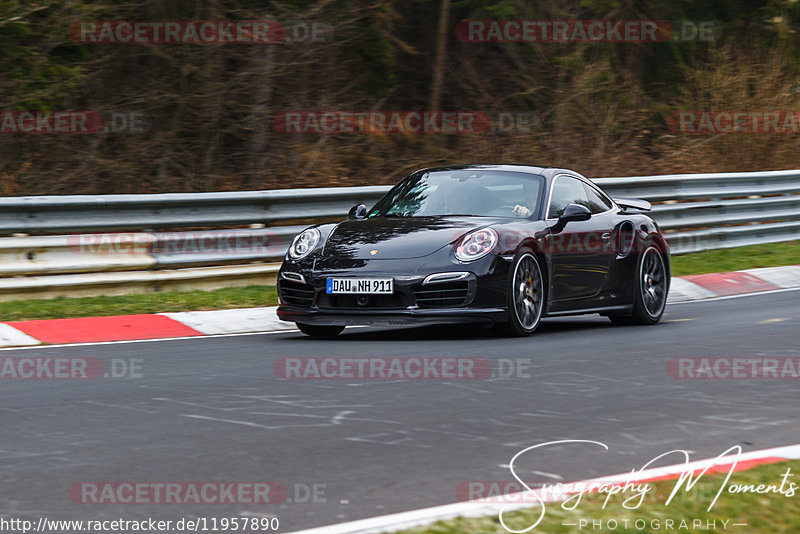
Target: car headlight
<point>476,245</point>
<point>304,243</point>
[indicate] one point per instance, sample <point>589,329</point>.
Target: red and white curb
<point>237,321</point>
<point>11,337</point>
<point>703,286</point>
<point>251,320</point>
<point>138,327</point>
<point>516,501</point>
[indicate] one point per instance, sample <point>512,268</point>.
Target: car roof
<point>547,172</point>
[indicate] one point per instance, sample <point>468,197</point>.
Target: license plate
<point>356,286</point>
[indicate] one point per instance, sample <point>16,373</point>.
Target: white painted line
<point>681,290</point>
<point>785,277</point>
<point>11,337</point>
<point>773,320</point>
<point>516,501</point>
<point>235,321</point>
<point>743,295</point>
<point>185,338</point>
<point>155,340</point>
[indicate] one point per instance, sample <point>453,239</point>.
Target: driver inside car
<point>530,194</point>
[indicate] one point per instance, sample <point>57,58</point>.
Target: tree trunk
<point>435,102</point>
<point>260,117</point>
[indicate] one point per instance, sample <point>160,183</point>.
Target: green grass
<point>243,297</point>
<point>167,301</point>
<point>767,513</point>
<point>736,259</point>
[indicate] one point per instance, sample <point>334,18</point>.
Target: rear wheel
<point>650,290</point>
<point>525,297</point>
<point>322,331</point>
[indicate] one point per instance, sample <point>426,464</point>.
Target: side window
<point>598,202</point>
<point>566,191</point>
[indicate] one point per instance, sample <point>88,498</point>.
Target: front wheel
<point>525,296</point>
<point>650,291</point>
<point>321,331</point>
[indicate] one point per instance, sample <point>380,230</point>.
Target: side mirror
<point>575,212</point>
<point>357,212</point>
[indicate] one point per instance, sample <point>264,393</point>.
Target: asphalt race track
<point>210,409</point>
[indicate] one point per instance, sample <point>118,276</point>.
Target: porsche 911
<point>499,245</point>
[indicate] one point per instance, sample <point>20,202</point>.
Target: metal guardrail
<point>111,213</point>
<point>697,211</point>
<point>681,187</point>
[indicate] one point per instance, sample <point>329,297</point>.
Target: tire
<point>320,331</point>
<point>650,290</point>
<point>525,297</point>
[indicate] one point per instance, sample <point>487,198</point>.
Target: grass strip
<point>161,302</point>
<point>772,513</point>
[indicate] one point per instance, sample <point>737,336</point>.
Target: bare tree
<point>435,101</point>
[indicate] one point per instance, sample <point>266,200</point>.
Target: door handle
<point>606,237</point>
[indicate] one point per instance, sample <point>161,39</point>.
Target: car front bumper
<point>413,302</point>
<point>390,317</point>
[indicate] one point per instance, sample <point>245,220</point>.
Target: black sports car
<point>500,244</point>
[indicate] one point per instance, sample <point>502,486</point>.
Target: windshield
<point>472,192</point>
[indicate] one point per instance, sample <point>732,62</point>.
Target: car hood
<point>398,237</point>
